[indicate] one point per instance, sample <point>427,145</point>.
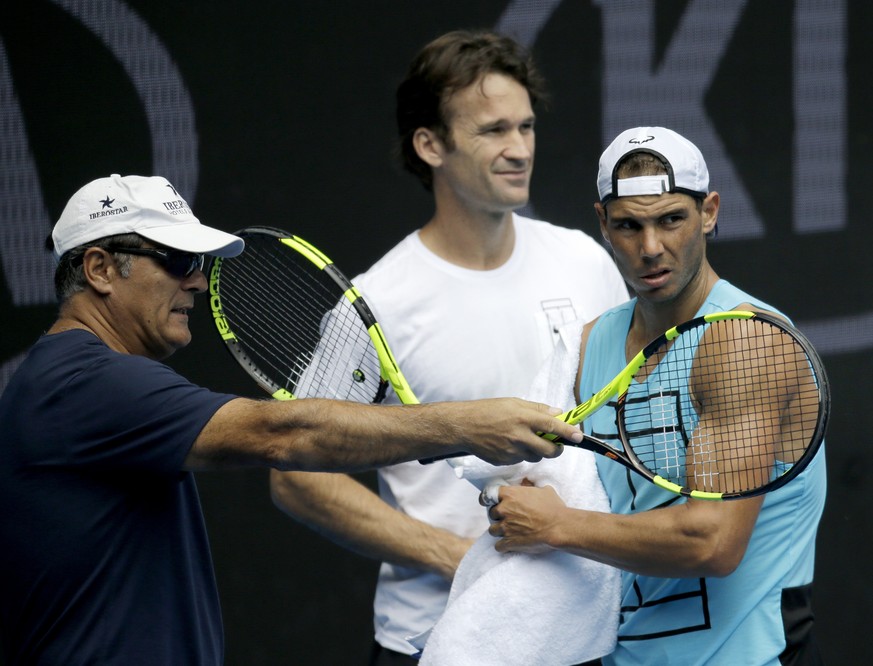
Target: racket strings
<point>294,325</point>
<point>255,311</point>
<point>727,408</point>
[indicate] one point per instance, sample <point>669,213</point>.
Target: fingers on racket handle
<point>428,461</point>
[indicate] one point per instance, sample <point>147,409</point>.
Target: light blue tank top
<point>732,620</point>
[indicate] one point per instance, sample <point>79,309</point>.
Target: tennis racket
<point>724,406</point>
<point>297,325</point>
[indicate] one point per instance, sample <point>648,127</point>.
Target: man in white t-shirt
<point>470,304</point>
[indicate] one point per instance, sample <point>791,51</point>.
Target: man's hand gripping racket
<point>724,406</point>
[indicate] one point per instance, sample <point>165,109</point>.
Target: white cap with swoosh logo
<point>686,168</point>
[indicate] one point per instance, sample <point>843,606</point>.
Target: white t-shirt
<point>461,334</point>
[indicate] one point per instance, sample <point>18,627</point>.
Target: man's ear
<point>709,210</point>
<point>100,269</point>
<point>428,146</point>
<point>601,216</point>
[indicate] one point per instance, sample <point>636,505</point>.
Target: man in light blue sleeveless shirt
<point>703,582</point>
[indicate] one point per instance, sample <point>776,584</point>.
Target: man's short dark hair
<point>445,66</point>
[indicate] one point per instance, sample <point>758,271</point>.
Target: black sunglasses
<point>176,262</point>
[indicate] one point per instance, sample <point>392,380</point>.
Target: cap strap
<point>640,185</point>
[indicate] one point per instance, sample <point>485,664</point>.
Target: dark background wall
<point>281,113</point>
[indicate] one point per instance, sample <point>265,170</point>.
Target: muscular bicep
<point>745,383</point>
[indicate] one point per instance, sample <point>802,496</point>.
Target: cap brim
<point>196,238</point>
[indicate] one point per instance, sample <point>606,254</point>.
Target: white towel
<point>552,609</point>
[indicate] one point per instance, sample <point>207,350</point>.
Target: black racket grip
<point>553,438</point>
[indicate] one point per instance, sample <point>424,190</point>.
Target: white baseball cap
<point>146,205</point>
<point>686,168</point>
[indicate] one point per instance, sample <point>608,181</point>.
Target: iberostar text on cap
<point>146,205</point>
